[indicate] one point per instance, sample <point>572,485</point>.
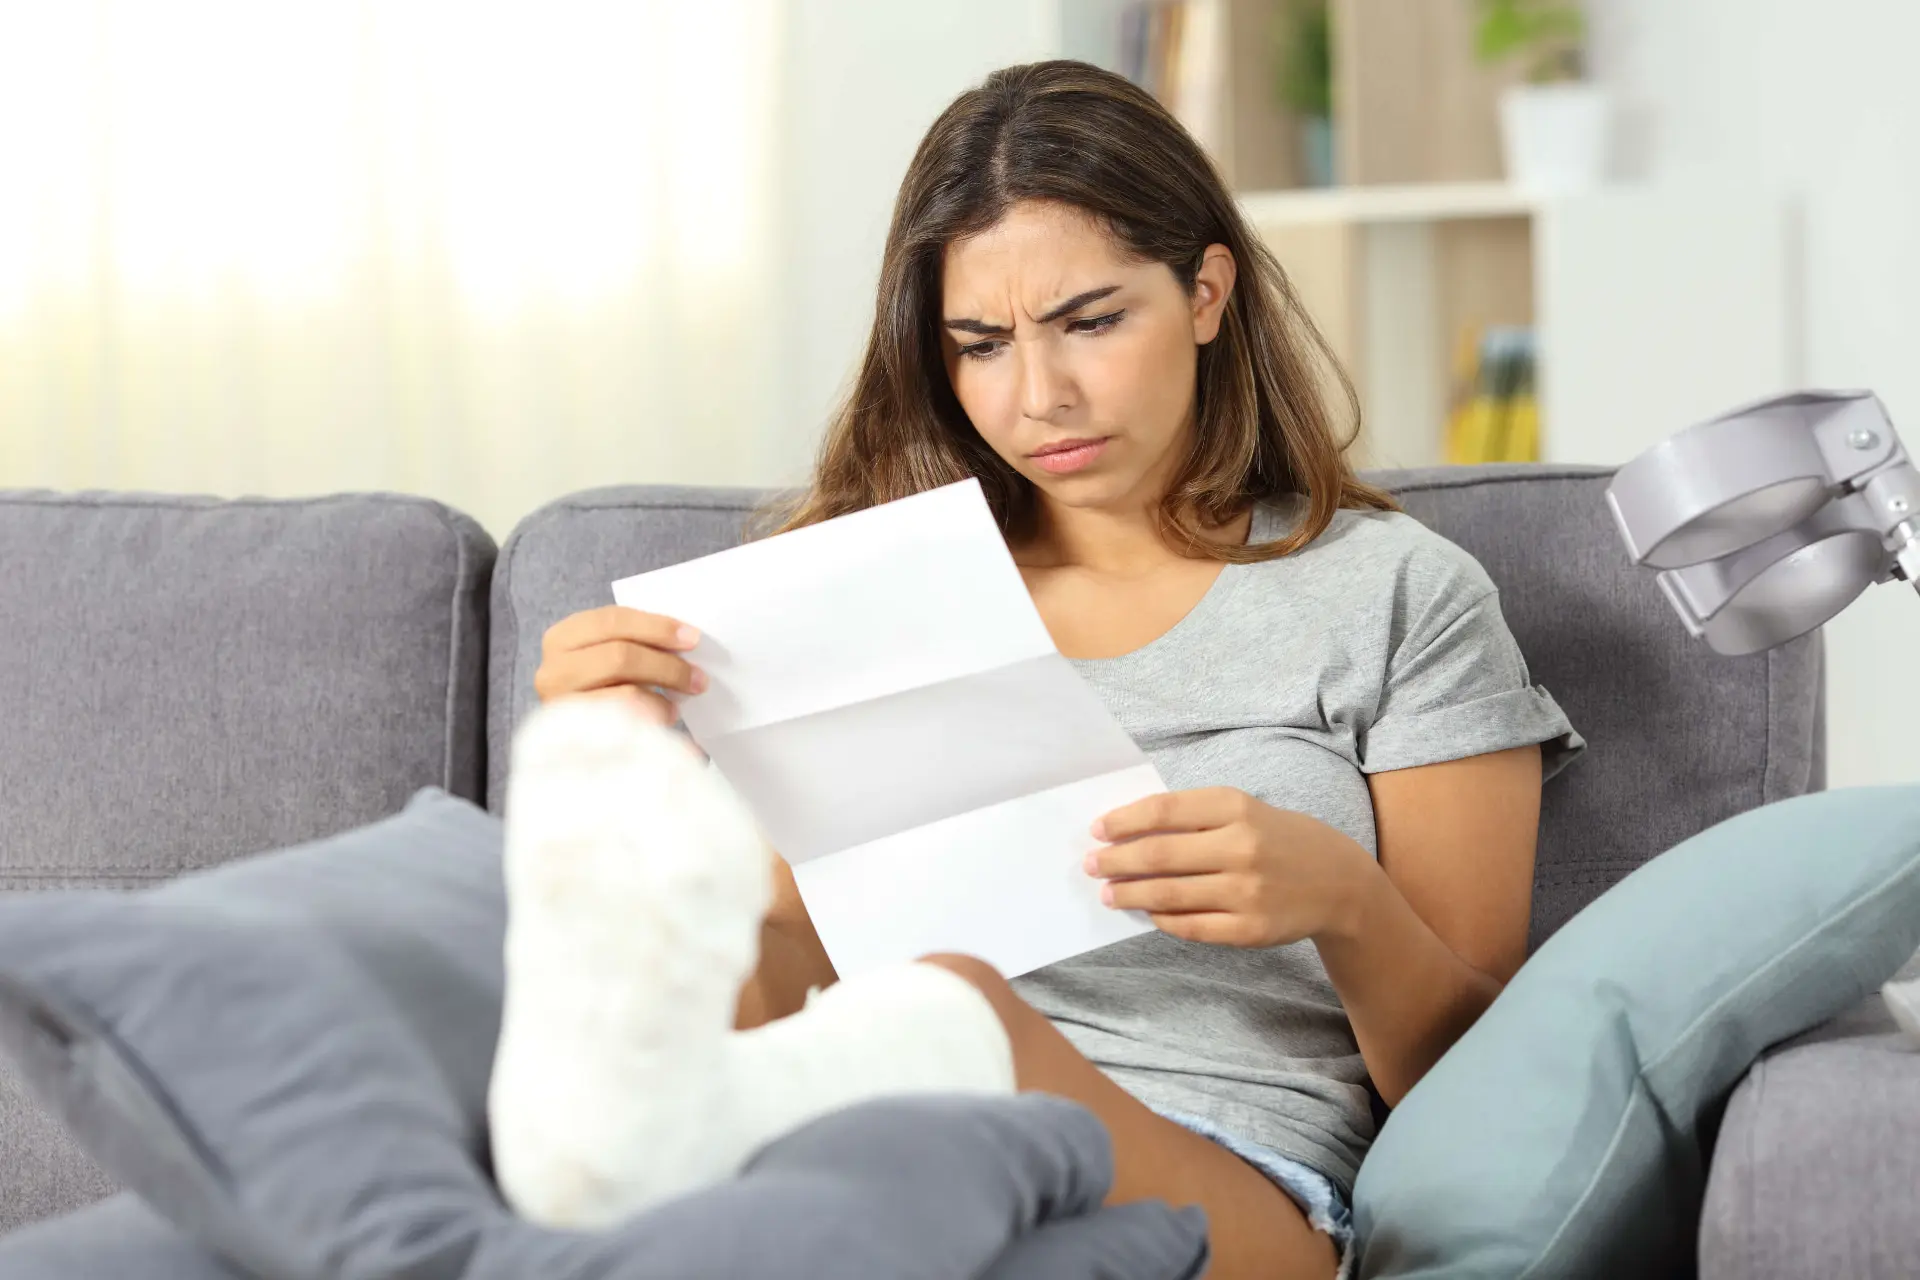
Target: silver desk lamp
<point>1768,520</point>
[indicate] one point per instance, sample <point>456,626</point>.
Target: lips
<point>1063,456</point>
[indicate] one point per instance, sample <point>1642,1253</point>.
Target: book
<point>1495,416</point>
<point>1174,49</point>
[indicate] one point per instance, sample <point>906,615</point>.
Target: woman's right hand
<point>618,652</point>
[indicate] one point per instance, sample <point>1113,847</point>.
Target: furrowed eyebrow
<point>1068,307</point>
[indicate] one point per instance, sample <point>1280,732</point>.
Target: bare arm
<point>1438,925</point>
<point>1418,941</point>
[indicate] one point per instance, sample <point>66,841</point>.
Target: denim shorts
<point>1325,1206</point>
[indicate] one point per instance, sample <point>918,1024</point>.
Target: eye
<point>1096,324</point>
<point>982,350</point>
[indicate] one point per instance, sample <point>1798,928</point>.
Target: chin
<point>1091,489</point>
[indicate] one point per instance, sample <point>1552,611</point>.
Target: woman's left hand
<point>1217,865</point>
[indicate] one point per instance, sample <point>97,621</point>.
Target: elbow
<point>1476,993</point>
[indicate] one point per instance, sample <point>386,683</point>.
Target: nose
<point>1045,389</point>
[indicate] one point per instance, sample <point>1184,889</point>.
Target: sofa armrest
<point>1817,1159</point>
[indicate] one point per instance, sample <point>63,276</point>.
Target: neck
<point>1117,541</point>
<point>1121,542</point>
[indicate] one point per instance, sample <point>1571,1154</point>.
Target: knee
<point>977,973</point>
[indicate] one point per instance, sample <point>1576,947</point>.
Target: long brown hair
<point>1073,134</point>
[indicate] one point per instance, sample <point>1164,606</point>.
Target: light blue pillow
<point>1563,1136</point>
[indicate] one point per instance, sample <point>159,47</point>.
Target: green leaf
<point>1546,34</point>
<point>1502,32</point>
<point>1305,81</point>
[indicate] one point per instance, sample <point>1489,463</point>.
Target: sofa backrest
<point>1679,737</point>
<point>566,556</point>
<point>185,680</point>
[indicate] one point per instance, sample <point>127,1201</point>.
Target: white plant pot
<point>1556,136</point>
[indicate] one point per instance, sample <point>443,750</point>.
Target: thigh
<point>1257,1231</point>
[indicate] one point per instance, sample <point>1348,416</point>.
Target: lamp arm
<point>1893,495</point>
<point>1765,522</point>
<point>1906,556</point>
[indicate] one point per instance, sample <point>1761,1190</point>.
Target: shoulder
<point>1373,551</point>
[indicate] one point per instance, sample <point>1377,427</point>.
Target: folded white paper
<point>888,703</point>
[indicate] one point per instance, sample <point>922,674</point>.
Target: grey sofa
<point>187,680</point>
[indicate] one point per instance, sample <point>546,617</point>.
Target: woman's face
<point>1074,364</point>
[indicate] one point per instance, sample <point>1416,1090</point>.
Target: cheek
<point>987,394</point>
<point>1143,378</point>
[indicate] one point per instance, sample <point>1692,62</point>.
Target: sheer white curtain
<point>489,252</point>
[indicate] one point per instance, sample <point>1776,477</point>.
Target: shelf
<point>1410,202</point>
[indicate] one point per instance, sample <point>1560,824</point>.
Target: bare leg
<point>791,962</point>
<point>1258,1232</point>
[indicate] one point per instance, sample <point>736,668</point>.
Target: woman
<point>1072,310</point>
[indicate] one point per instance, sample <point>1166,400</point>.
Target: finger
<point>1218,927</point>
<point>616,622</point>
<point>620,662</point>
<point>1159,895</point>
<point>1178,854</point>
<point>1194,810</point>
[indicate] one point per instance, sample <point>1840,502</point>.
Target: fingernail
<point>688,636</point>
<point>1106,893</point>
<point>1099,828</point>
<point>1091,864</point>
<point>699,682</point>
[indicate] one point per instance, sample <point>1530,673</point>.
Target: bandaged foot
<point>636,886</point>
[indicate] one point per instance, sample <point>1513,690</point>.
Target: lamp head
<point>1770,519</point>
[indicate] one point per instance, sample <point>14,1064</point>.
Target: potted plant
<point>1305,84</point>
<point>1554,124</point>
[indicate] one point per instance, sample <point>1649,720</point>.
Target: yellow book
<point>1496,416</point>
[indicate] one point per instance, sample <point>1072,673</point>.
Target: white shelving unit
<point>1406,202</point>
<point>1653,306</point>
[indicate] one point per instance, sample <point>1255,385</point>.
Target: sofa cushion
<point>1679,737</point>
<point>565,557</point>
<point>1817,1158</point>
<point>288,1058</point>
<point>1566,1133</point>
<point>184,679</point>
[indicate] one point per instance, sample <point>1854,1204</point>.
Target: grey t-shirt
<point>1378,646</point>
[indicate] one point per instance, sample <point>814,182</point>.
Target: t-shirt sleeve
<point>1457,686</point>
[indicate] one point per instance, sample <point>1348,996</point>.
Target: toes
<point>582,734</point>
<point>611,817</point>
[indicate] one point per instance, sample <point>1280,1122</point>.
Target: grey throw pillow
<point>287,1057</point>
<point>119,1237</point>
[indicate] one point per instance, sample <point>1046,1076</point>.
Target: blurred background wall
<point>498,252</point>
<point>863,80</point>
<point>492,253</point>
